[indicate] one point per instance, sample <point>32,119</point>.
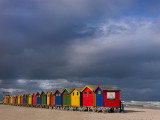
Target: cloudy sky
<point>50,44</point>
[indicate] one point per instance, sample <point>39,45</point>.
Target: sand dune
<point>8,112</point>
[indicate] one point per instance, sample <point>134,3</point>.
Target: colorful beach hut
<point>16,99</point>
<point>4,99</point>
<point>48,98</point>
<point>107,96</point>
<point>7,99</point>
<point>89,96</point>
<point>52,99</point>
<point>43,98</point>
<point>27,98</point>
<point>13,99</point>
<point>30,99</point>
<point>38,95</point>
<point>21,99</point>
<point>66,96</point>
<point>76,97</point>
<point>34,99</point>
<point>24,98</point>
<point>58,97</point>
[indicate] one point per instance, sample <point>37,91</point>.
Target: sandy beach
<point>8,112</point>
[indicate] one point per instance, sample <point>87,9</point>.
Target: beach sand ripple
<point>8,112</point>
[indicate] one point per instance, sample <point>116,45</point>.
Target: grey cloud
<point>82,42</point>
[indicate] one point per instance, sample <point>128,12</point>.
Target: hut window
<point>89,92</point>
<point>56,94</point>
<point>77,93</point>
<point>110,95</point>
<point>48,95</point>
<point>73,93</point>
<point>85,93</point>
<point>64,94</point>
<point>59,94</point>
<point>99,92</point>
<point>67,94</point>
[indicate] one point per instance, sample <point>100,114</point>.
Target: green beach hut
<point>67,97</point>
<point>44,98</point>
<point>17,99</point>
<point>9,100</point>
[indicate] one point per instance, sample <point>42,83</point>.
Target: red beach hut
<point>13,99</point>
<point>52,98</point>
<point>89,97</point>
<point>21,99</point>
<point>34,100</point>
<point>111,96</point>
<point>7,99</point>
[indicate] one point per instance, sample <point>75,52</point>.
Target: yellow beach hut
<point>48,98</point>
<point>11,100</point>
<point>19,99</point>
<point>76,97</point>
<point>30,99</point>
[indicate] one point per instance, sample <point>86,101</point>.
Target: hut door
<point>99,97</point>
<point>90,96</point>
<point>85,97</point>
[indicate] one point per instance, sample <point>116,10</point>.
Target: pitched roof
<point>52,92</point>
<point>45,92</point>
<point>69,89</point>
<point>105,88</point>
<point>60,90</point>
<point>92,87</point>
<point>38,92</point>
<point>79,89</point>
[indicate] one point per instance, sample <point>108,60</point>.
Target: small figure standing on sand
<point>122,107</point>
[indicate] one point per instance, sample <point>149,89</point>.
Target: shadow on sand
<point>131,111</point>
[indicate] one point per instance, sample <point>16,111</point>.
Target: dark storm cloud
<point>35,35</point>
<point>74,43</point>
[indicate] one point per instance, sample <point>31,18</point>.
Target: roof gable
<point>78,89</point>
<point>38,93</point>
<point>68,89</point>
<point>60,90</point>
<point>91,87</point>
<point>43,93</point>
<point>108,88</point>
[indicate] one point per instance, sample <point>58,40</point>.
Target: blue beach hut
<point>99,96</point>
<point>24,99</point>
<point>38,95</point>
<point>58,97</point>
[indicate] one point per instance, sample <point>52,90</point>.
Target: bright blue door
<point>99,97</point>
<point>24,99</point>
<point>58,98</point>
<point>38,98</point>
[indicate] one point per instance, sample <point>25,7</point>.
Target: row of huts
<point>90,95</point>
